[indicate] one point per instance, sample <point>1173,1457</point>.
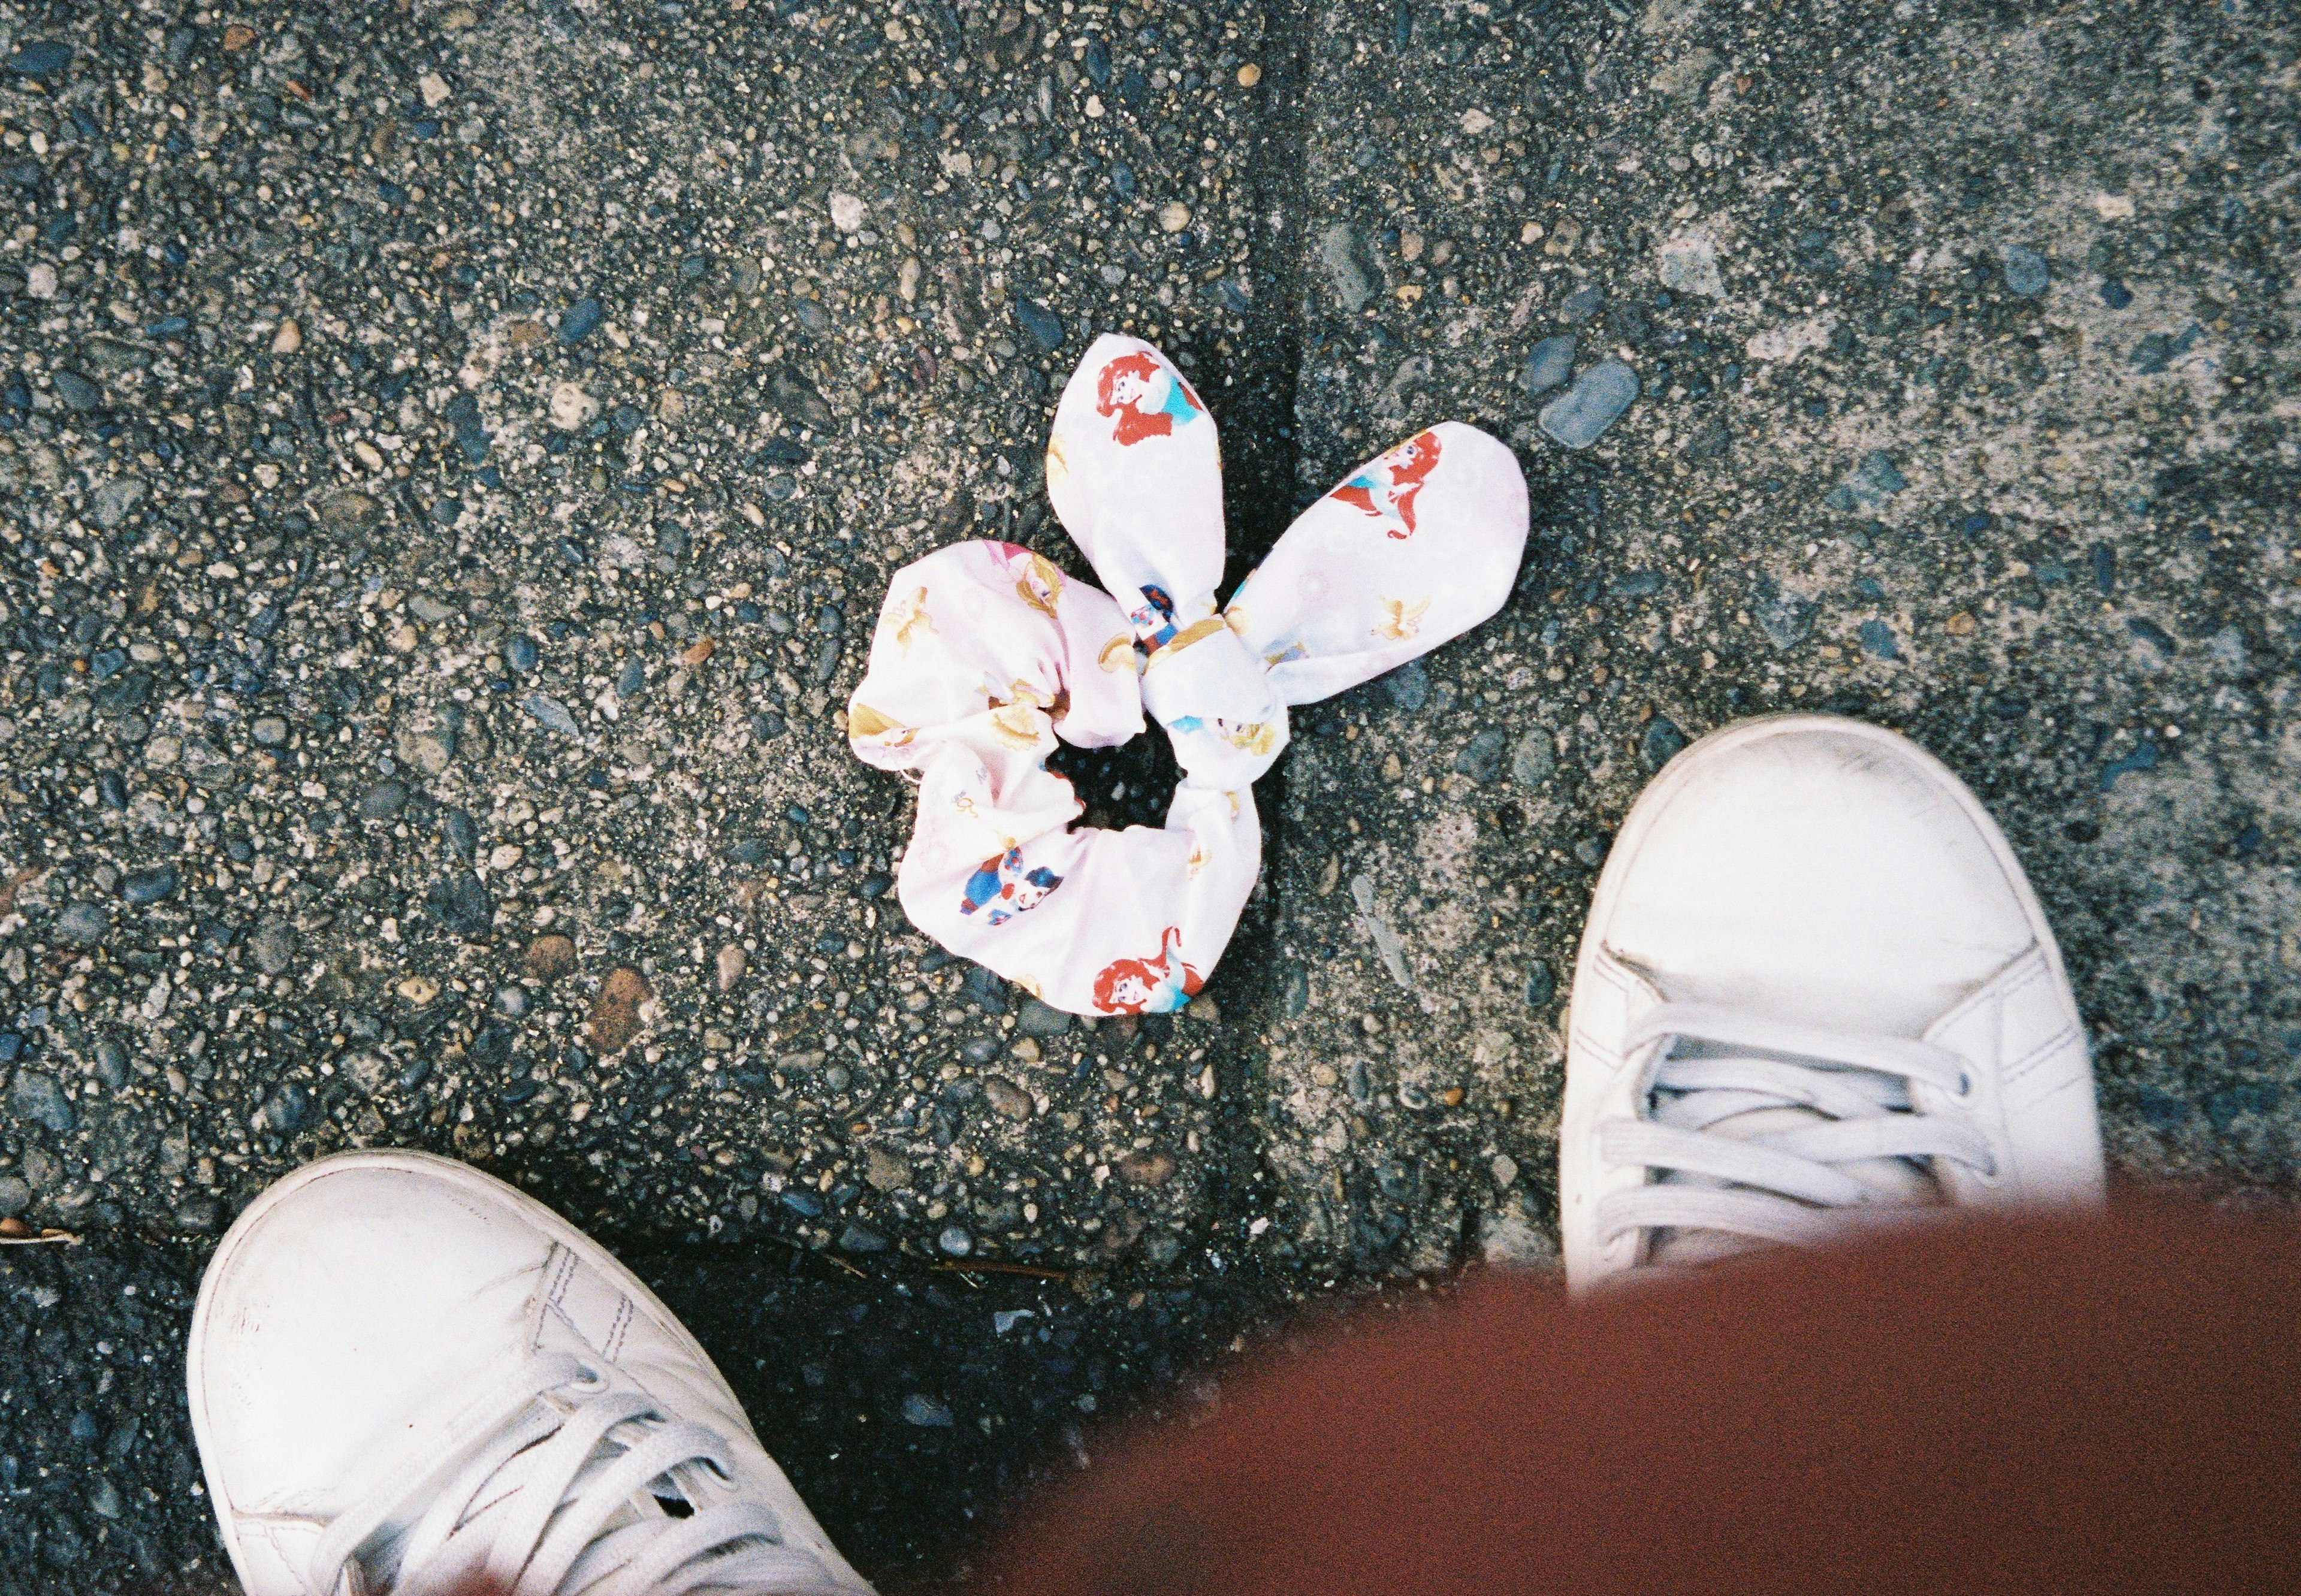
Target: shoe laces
<point>565,1481</point>
<point>1758,1129</point>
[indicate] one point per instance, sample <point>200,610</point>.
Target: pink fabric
<point>986,653</point>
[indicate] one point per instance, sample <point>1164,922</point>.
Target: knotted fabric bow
<point>986,653</point>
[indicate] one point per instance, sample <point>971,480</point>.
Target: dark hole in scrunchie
<point>1122,787</point>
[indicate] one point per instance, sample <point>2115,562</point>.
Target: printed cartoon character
<point>1042,584</point>
<point>907,618</point>
<point>1254,737</point>
<point>1385,487</point>
<point>1154,619</point>
<point>1157,985</point>
<point>1118,654</point>
<point>863,721</point>
<point>1144,398</point>
<point>1016,710</point>
<point>1402,620</point>
<point>1155,630</point>
<point>1004,888</point>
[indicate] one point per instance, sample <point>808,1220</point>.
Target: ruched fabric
<point>986,653</point>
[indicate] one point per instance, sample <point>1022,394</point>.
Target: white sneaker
<point>1814,989</point>
<point>407,1377</point>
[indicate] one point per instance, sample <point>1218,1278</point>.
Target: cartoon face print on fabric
<point>1143,399</point>
<point>1153,619</point>
<point>1386,486</point>
<point>1158,985</point>
<point>1005,889</point>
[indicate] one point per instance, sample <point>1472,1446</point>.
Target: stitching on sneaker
<point>622,1320</point>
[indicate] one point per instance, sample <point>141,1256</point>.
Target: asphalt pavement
<point>452,456</point>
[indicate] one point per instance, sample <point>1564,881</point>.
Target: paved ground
<point>453,456</point>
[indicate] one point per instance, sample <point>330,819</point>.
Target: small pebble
<point>1596,402</point>
<point>77,390</point>
<point>548,957</point>
<point>383,800</point>
<point>2026,271</point>
<point>273,945</point>
<point>926,1412</point>
<point>462,833</point>
<point>1045,328</point>
<point>1660,741</point>
<point>1344,263</point>
<point>580,322</point>
<point>1409,686</point>
<point>552,713</point>
<point>1039,1020</point>
<point>1534,758</point>
<point>150,886</point>
<point>1481,758</point>
<point>39,58</point>
<point>37,1097</point>
<point>83,924</point>
<point>1549,363</point>
<point>859,1238</point>
<point>1294,990</point>
<point>1689,264</point>
<point>1007,1099</point>
<point>1541,985</point>
<point>1583,304</point>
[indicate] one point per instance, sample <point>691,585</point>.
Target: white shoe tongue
<point>1898,1183</point>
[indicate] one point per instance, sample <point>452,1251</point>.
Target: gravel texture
<point>450,459</point>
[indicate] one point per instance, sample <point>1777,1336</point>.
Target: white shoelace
<point>1767,1131</point>
<point>564,1484</point>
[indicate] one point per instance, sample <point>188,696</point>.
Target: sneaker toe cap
<point>335,1313</point>
<point>1835,874</point>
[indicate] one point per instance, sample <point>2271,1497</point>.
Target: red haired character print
<point>1157,985</point>
<point>1385,487</point>
<point>1144,398</point>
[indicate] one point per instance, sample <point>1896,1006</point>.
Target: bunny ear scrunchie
<point>986,653</point>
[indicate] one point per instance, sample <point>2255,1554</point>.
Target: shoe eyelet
<point>1964,1085</point>
<point>590,1381</point>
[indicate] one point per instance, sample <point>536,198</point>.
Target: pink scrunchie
<point>985,653</point>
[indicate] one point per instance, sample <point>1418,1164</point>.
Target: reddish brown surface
<point>2066,1408</point>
